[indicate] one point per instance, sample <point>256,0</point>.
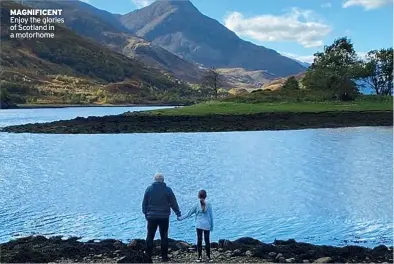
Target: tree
<point>379,71</point>
<point>212,81</point>
<point>291,84</point>
<point>336,69</point>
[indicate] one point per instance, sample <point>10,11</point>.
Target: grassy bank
<point>234,108</point>
<point>227,116</point>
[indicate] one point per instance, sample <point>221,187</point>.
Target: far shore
<point>39,249</point>
<point>35,106</point>
<point>145,122</point>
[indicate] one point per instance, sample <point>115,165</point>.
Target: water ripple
<point>325,186</point>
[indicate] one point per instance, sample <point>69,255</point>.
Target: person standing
<point>158,201</point>
<point>204,223</point>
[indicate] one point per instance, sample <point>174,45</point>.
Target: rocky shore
<point>39,249</point>
<point>143,123</point>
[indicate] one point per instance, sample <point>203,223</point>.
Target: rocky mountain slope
<point>70,64</point>
<point>181,29</point>
<point>104,28</point>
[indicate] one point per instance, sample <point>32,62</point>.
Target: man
<point>158,200</point>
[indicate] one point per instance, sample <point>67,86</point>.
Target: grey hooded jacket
<point>158,200</point>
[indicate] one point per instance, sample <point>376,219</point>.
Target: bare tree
<point>212,80</point>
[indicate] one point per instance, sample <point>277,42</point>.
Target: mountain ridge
<point>202,39</point>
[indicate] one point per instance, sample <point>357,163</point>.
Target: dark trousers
<point>207,243</point>
<point>163,225</point>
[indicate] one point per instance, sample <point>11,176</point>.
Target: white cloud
<point>302,58</point>
<point>367,4</point>
<point>300,26</point>
<point>309,58</point>
<point>142,3</point>
<point>326,5</point>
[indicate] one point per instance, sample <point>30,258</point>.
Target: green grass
<point>232,108</point>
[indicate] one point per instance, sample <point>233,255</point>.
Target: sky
<point>295,28</point>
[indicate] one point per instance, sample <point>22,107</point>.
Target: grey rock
<point>272,254</point>
<point>279,256</point>
<point>282,260</point>
<point>133,243</point>
<point>305,261</point>
<point>182,245</point>
<point>98,256</point>
<point>236,253</point>
<point>323,260</point>
<point>290,260</point>
<point>249,253</point>
<point>220,249</point>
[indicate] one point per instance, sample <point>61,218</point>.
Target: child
<point>204,223</point>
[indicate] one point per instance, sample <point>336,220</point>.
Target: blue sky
<point>296,28</point>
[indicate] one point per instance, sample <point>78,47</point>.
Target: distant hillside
<point>241,78</point>
<point>105,28</point>
<point>277,83</point>
<point>68,64</point>
<point>181,29</point>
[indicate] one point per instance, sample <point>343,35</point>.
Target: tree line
<point>341,71</point>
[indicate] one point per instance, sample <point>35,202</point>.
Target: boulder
<point>182,245</point>
<point>248,241</point>
<point>236,253</point>
<point>272,255</point>
<point>284,242</point>
<point>290,260</point>
<point>323,260</point>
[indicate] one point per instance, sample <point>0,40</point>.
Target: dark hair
<point>202,194</point>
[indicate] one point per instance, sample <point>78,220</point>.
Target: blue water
<point>324,186</point>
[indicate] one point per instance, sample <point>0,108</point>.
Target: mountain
<point>105,28</point>
<point>180,28</point>
<point>241,78</point>
<point>69,65</point>
<point>278,83</point>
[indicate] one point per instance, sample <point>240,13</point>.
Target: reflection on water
<point>319,185</point>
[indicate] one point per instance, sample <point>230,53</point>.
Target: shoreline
<point>144,122</point>
<point>44,106</point>
<point>56,249</point>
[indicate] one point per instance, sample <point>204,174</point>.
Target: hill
<point>181,29</point>
<point>70,67</point>
<point>105,28</point>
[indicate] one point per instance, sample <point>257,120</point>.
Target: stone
<point>282,260</point>
<point>249,253</point>
<point>305,261</point>
<point>272,255</point>
<point>220,249</point>
<point>279,256</point>
<point>290,260</point>
<point>182,245</point>
<point>236,253</point>
<point>125,259</point>
<point>191,250</point>
<point>133,243</point>
<point>98,256</point>
<point>117,252</point>
<point>323,260</point>
<point>175,253</point>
